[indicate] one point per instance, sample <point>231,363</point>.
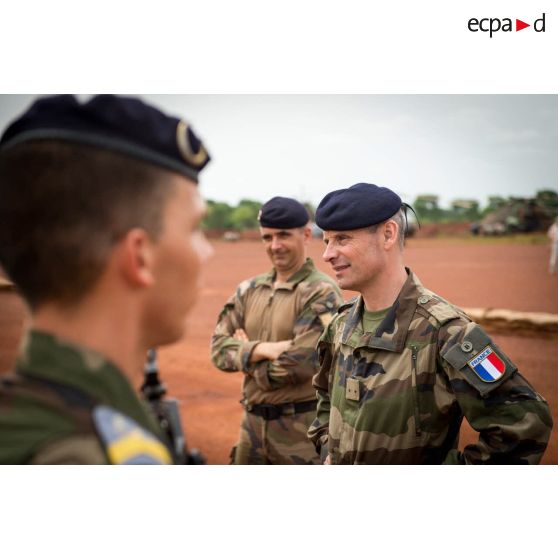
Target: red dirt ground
<point>470,274</point>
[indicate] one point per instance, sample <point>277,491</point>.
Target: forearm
<point>231,355</point>
<point>319,429</point>
<point>296,365</point>
<point>512,433</point>
<point>266,350</point>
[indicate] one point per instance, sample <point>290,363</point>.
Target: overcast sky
<point>454,146</point>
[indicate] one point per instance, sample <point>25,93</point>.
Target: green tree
<point>426,206</point>
<point>465,210</point>
<point>218,215</point>
<point>245,215</point>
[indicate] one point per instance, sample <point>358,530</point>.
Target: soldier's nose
<point>328,253</point>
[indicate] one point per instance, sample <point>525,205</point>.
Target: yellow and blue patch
<point>126,442</point>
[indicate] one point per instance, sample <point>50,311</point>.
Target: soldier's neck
<point>282,276</point>
<point>383,290</point>
<point>112,336</point>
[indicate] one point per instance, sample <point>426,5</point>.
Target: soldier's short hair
<point>64,206</point>
<point>401,219</point>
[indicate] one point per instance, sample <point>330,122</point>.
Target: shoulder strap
<point>51,394</point>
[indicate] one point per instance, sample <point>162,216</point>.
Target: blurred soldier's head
<point>285,233</point>
<point>101,198</point>
<point>364,232</point>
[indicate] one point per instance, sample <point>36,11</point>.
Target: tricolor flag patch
<point>487,365</point>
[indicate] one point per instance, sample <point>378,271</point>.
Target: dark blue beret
<point>359,206</point>
<point>283,213</point>
<point>122,124</point>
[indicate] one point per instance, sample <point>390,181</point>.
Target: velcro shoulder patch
<point>126,442</point>
<point>347,304</point>
<point>482,363</point>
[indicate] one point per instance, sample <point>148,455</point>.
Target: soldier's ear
<point>136,258</point>
<point>390,230</point>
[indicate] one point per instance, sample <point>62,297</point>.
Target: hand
<point>269,350</point>
<point>327,460</point>
<point>240,335</point>
<point>275,349</point>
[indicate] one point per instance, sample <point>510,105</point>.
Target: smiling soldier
<point>399,366</point>
<point>268,330</point>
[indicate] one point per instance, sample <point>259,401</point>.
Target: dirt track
<point>469,274</point>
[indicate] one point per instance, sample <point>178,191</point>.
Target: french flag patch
<point>487,365</point>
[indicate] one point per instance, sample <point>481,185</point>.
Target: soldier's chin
<point>345,284</point>
<point>171,334</point>
<point>281,264</point>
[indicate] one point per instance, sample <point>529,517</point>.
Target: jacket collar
<point>392,331</point>
<point>307,268</point>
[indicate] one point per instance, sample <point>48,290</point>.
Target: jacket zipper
<point>418,431</point>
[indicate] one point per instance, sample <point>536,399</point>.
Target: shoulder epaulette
<point>440,309</point>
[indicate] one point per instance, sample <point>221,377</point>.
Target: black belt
<point>273,412</point>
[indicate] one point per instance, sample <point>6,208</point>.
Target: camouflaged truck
<point>517,215</point>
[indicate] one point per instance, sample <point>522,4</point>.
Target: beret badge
<point>195,158</point>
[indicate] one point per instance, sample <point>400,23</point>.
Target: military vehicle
<point>517,215</point>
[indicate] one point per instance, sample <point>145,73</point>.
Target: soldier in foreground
<point>268,330</point>
<point>99,230</point>
<point>399,366</point>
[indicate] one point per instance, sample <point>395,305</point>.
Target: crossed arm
<point>279,363</point>
<point>265,350</point>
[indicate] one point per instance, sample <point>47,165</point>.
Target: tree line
<point>244,216</point>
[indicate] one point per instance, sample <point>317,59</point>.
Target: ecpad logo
<point>493,25</point>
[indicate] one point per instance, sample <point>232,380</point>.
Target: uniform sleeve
<point>319,429</point>
<point>227,353</point>
<point>513,421</point>
<point>298,364</point>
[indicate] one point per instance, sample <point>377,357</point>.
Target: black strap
<point>61,397</point>
<point>406,207</point>
<point>273,412</point>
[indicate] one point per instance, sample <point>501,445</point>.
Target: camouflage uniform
<point>279,391</point>
<point>398,396</point>
<point>68,405</point>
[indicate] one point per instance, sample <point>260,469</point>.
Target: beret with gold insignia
<point>122,124</point>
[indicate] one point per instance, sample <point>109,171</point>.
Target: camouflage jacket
<point>398,395</point>
<point>298,309</point>
<point>67,404</point>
